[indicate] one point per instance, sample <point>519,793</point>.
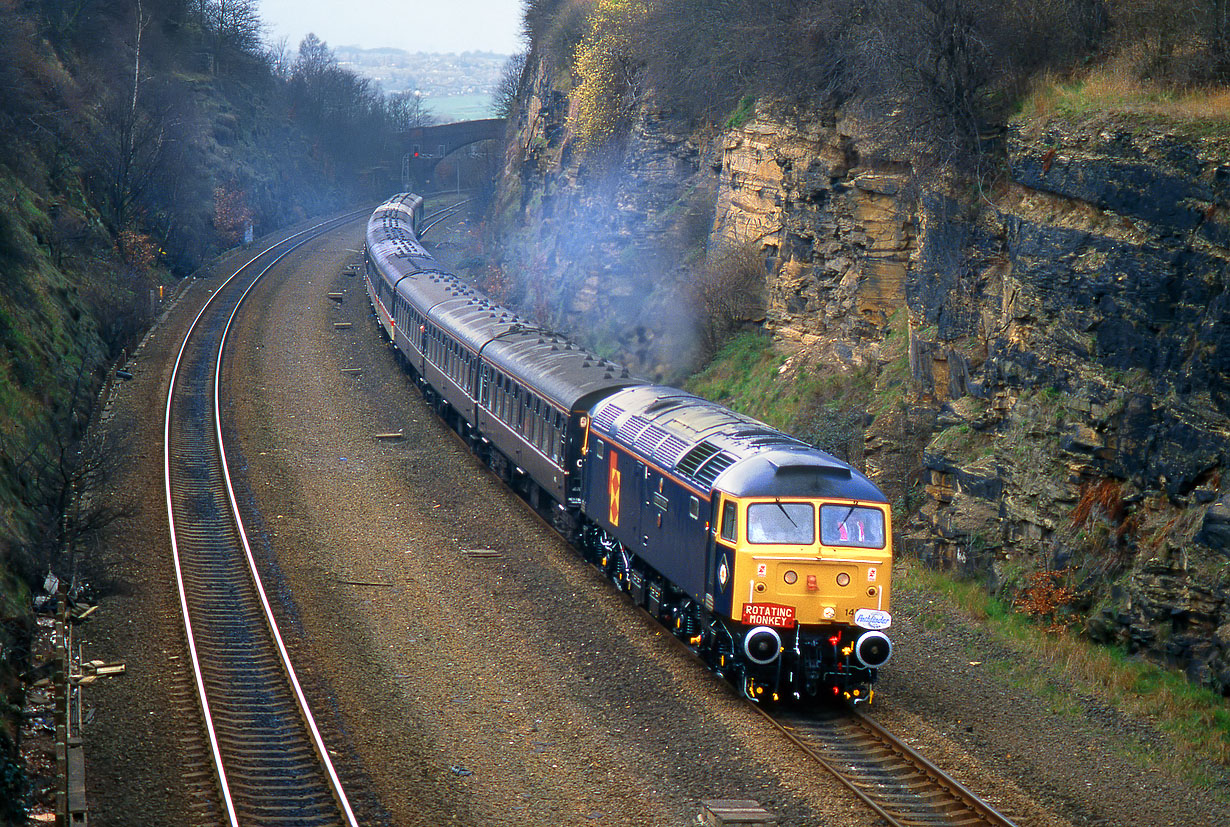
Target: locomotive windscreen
<point>851,525</point>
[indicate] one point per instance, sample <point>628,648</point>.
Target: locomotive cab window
<point>599,449</point>
<point>851,525</point>
<point>782,523</point>
<point>693,508</point>
<point>730,522</point>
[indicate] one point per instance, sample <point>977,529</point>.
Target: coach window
<point>730,521</point>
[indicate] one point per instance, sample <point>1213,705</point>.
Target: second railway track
<point>272,766</point>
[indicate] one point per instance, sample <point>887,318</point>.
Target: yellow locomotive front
<point>809,580</point>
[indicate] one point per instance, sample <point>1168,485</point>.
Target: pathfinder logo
<point>872,619</point>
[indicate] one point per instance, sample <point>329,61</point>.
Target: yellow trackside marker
<point>612,488</point>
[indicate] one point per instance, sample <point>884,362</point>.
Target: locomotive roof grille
<point>713,468</point>
<point>671,450</point>
<point>694,459</point>
<point>650,438</point>
<point>630,430</point>
<point>607,416</point>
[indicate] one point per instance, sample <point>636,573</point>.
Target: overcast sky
<point>413,25</point>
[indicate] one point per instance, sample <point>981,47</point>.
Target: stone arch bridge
<point>424,147</point>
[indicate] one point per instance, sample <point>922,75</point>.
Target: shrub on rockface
<point>603,99</point>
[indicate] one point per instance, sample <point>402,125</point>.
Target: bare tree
<point>406,110</point>
<point>277,56</point>
<point>235,27</point>
<point>728,292</point>
<point>504,99</point>
<point>131,146</point>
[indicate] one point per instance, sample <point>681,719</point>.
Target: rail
<point>252,703</point>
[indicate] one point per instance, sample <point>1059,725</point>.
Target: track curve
<point>271,765</point>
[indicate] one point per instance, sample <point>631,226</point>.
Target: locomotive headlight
<point>762,645</point>
<point>791,577</point>
<point>843,579</point>
<point>873,649</point>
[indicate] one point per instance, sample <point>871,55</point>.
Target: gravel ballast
<point>466,666</point>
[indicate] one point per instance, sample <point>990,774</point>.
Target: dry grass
<point>1195,721</point>
<point>1114,88</point>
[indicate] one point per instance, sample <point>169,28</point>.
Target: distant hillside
<point>454,86</point>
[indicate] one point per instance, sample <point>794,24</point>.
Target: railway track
<point>901,786</point>
<point>270,763</point>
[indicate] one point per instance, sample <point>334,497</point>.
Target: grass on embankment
<point>1194,721</point>
<point>1112,89</point>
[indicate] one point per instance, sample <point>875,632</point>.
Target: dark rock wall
<point>1092,434</point>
